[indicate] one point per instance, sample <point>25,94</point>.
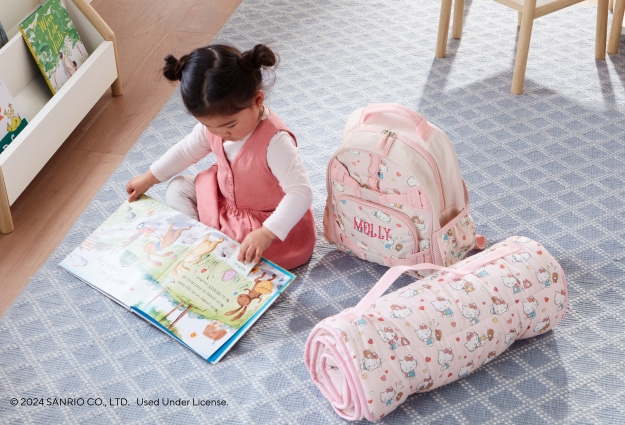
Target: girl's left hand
<point>254,244</point>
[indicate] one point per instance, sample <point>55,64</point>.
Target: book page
<point>208,296</point>
<point>126,255</point>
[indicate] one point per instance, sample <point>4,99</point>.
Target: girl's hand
<point>254,244</point>
<point>138,185</point>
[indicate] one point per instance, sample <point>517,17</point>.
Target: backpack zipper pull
<point>384,144</point>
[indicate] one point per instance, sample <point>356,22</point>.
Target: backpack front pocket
<point>372,230</point>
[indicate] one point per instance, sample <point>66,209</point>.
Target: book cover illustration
<point>4,39</point>
<point>54,43</point>
<point>11,121</point>
<point>178,274</point>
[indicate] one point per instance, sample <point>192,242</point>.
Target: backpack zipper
<point>384,144</point>
<point>422,151</point>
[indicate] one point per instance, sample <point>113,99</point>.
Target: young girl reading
<point>257,191</point>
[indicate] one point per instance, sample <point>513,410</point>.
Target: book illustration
<point>54,43</point>
<point>4,39</point>
<point>11,122</point>
<point>262,286</point>
<point>178,274</point>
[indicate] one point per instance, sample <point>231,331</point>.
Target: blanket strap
<point>468,266</point>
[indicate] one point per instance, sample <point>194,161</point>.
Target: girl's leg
<point>180,195</point>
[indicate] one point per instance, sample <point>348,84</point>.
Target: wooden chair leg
<point>602,29</point>
<point>456,29</point>
<point>523,46</point>
<point>443,29</point>
<point>617,25</point>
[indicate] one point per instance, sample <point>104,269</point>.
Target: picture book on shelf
<point>4,39</point>
<point>54,43</point>
<point>177,274</point>
<point>11,120</point>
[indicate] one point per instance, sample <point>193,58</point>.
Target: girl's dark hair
<point>219,79</point>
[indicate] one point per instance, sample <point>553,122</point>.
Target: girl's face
<point>235,127</point>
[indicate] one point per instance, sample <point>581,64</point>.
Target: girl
<point>257,191</point>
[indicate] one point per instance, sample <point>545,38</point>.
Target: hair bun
<point>173,67</point>
<point>259,56</point>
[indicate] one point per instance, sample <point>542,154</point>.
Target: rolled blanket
<point>368,359</point>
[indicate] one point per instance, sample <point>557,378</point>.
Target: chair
<point>528,11</point>
<point>617,25</point>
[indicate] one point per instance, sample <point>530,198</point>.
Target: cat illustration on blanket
<point>511,336</point>
<point>424,333</point>
<point>542,326</point>
<point>445,357</point>
<point>426,384</point>
<point>389,336</point>
<point>471,312</point>
<point>474,340</point>
<point>371,360</point>
<point>387,396</point>
<point>499,306</point>
<point>543,277</point>
<point>400,311</point>
<point>465,370</point>
<point>443,305</point>
<point>408,365</point>
<point>529,307</point>
<point>411,292</point>
<point>461,285</point>
<point>519,257</point>
<point>560,299</point>
<point>512,282</point>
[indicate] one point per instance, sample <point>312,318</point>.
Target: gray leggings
<point>180,195</point>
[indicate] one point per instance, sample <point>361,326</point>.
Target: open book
<point>178,274</point>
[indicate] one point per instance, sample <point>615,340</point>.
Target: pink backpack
<point>395,192</point>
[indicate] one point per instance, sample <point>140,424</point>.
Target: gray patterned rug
<point>547,165</point>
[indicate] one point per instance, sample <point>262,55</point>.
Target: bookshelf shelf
<point>51,119</point>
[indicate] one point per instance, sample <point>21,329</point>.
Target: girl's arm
<point>285,163</point>
<point>182,155</point>
<point>140,184</point>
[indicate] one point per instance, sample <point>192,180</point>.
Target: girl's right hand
<point>138,185</point>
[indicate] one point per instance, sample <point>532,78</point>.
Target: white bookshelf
<point>51,119</point>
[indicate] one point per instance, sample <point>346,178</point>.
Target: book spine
<point>34,55</point>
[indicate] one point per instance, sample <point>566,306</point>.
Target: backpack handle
<point>393,273</point>
<point>422,126</point>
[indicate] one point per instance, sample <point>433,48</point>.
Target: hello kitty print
<point>396,197</point>
<point>436,330</point>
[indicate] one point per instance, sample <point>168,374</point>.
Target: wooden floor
<point>146,31</point>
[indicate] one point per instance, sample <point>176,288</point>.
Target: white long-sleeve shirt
<point>283,160</point>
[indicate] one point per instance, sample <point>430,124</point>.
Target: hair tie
<point>180,66</point>
<point>243,62</point>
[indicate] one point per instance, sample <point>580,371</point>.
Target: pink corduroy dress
<point>238,197</point>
